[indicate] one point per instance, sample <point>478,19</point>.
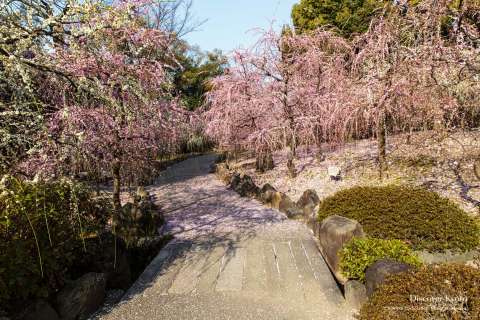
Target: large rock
<point>355,294</point>
<point>376,273</point>
<point>223,172</point>
<point>287,206</point>
<point>335,231</point>
<point>81,298</point>
<point>243,184</point>
<point>283,203</point>
<point>307,203</point>
<point>39,310</point>
<point>267,192</point>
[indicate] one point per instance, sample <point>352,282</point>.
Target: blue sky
<point>229,21</point>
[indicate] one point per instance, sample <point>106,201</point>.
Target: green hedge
<point>42,227</point>
<point>403,295</point>
<point>360,253</point>
<point>420,218</point>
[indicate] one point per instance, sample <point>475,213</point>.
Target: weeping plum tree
<point>407,70</point>
<point>278,93</point>
<point>118,116</point>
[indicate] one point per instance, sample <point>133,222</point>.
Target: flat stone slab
<point>231,272</point>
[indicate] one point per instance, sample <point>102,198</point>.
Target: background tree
<point>347,17</point>
<point>278,93</point>
<point>196,69</point>
<point>409,69</point>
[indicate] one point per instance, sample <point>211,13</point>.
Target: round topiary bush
<point>430,292</point>
<point>360,253</point>
<point>419,217</point>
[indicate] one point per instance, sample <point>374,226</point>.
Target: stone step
<point>211,270</point>
<point>291,269</point>
<point>171,267</point>
<point>189,274</point>
<point>231,270</point>
<point>291,281</point>
<point>255,268</point>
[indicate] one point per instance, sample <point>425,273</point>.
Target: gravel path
<point>231,258</point>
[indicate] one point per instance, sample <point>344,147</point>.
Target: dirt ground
<point>441,162</point>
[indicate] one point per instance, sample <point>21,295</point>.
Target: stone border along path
<point>232,258</point>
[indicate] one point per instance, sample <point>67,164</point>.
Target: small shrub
<point>360,253</point>
<point>427,293</point>
<point>420,218</point>
<point>42,227</point>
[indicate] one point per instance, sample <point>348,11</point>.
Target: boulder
<point>267,193</point>
<point>334,173</point>
<point>287,206</point>
<point>39,310</point>
<point>355,294</point>
<point>81,298</point>
<point>223,172</point>
<point>243,184</point>
<point>376,273</point>
<point>334,232</point>
<point>307,203</point>
<point>235,181</point>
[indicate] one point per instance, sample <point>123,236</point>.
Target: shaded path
<point>231,258</point>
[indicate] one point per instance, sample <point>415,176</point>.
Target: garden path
<point>231,258</point>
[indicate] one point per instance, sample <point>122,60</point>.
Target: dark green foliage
<point>42,227</point>
<point>198,68</point>
<point>421,218</point>
<point>432,281</point>
<point>360,253</point>
<point>348,17</point>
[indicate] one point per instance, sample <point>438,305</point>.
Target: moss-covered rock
<point>420,218</point>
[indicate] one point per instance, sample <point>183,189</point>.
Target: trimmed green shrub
<point>360,253</point>
<point>42,228</point>
<point>430,292</point>
<point>419,217</point>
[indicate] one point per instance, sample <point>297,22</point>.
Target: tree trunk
<point>117,205</point>
<point>409,136</point>
<point>320,156</point>
<point>381,143</point>
<point>292,171</point>
<point>264,162</point>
